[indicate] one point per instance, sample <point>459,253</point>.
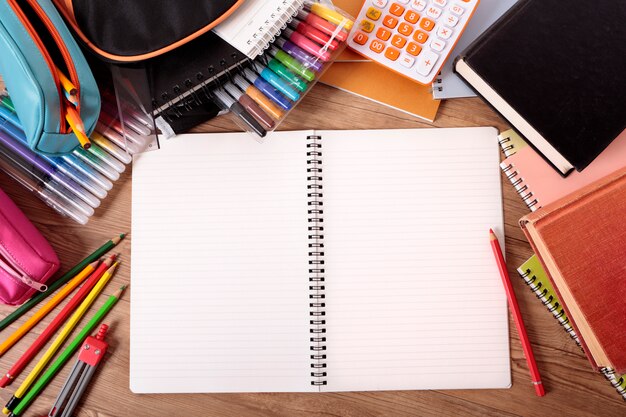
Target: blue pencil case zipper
<point>36,46</point>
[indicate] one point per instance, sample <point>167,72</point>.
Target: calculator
<point>412,37</point>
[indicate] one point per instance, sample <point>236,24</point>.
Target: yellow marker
<point>332,16</point>
<point>67,84</point>
<point>65,332</point>
<point>48,307</point>
<point>73,118</point>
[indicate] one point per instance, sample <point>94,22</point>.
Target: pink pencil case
<point>27,261</point>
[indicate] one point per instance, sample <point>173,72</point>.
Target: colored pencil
<point>76,123</point>
<point>65,332</point>
<point>46,308</point>
<point>66,83</point>
<point>61,281</point>
<point>519,322</point>
<point>67,353</point>
<point>60,318</point>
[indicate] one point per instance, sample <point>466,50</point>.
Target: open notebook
<point>318,261</point>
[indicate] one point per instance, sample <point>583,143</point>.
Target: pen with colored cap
<point>292,64</point>
<point>87,171</point>
<point>115,124</point>
<point>267,89</point>
<point>330,15</point>
<point>306,44</point>
<point>308,60</point>
<point>7,102</point>
<point>96,164</point>
<point>255,94</point>
<point>278,68</point>
<point>238,110</point>
<point>117,139</point>
<point>107,158</point>
<point>277,82</point>
<point>129,121</point>
<point>314,34</point>
<point>111,148</point>
<point>323,25</point>
<point>250,105</point>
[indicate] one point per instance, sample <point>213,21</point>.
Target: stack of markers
<point>73,184</point>
<point>261,95</point>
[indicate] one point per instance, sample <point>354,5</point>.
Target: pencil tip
<point>492,235</point>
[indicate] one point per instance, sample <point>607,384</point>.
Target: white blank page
<point>219,266</point>
<point>414,299</point>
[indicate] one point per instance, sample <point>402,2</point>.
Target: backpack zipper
<point>13,269</point>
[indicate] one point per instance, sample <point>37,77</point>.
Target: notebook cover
<point>377,83</point>
<point>580,240</point>
<point>567,82</point>
<point>529,171</point>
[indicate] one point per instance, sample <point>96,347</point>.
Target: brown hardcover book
<point>581,242</point>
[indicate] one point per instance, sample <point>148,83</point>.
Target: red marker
<point>307,44</point>
<point>323,25</point>
<point>314,34</point>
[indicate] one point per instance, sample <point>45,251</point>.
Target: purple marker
<point>300,54</point>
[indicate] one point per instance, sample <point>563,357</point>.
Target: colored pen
<point>67,353</point>
<point>9,116</point>
<point>44,194</point>
<point>314,34</point>
<point>306,59</point>
<point>47,169</point>
<point>77,125</point>
<point>331,15</point>
<point>267,89</point>
<point>292,63</point>
<point>117,139</point>
<point>129,121</point>
<point>87,171</point>
<point>240,111</point>
<point>7,102</point>
<point>141,116</point>
<point>107,158</point>
<point>96,164</point>
<point>111,148</point>
<point>519,321</point>
<point>111,122</point>
<point>278,68</point>
<point>250,105</point>
<point>279,83</point>
<point>323,25</point>
<point>306,44</point>
<point>265,103</point>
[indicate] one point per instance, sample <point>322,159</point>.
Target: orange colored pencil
<point>519,322</point>
<point>76,123</point>
<point>48,307</point>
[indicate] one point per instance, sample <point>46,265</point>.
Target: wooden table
<point>573,388</point>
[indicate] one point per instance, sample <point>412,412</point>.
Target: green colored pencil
<point>43,381</point>
<point>60,282</point>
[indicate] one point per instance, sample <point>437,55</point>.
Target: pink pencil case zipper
<point>27,261</point>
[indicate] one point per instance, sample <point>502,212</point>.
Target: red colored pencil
<point>519,322</point>
<point>54,325</point>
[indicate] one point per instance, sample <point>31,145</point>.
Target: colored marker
<point>306,44</point>
<point>250,105</point>
<point>277,82</point>
<point>265,103</point>
<point>115,124</point>
<point>87,171</point>
<point>284,72</point>
<point>111,148</point>
<point>331,15</point>
<point>76,123</point>
<point>117,139</point>
<point>323,25</point>
<point>107,158</point>
<point>238,110</point>
<point>9,116</point>
<point>306,59</point>
<point>7,102</point>
<point>314,34</point>
<point>96,164</point>
<point>292,64</point>
<point>267,89</point>
<point>129,121</point>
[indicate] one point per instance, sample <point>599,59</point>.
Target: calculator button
<point>360,38</point>
<point>383,34</point>
<point>450,20</point>
<point>407,60</point>
<point>373,13</point>
<point>405,29</point>
<point>433,12</point>
<point>440,3</point>
<point>427,24</point>
<point>380,3</point>
<point>392,54</point>
<point>367,26</point>
<point>426,62</point>
<point>377,46</point>
<point>437,45</point>
<point>444,32</point>
<point>419,5</point>
<point>396,9</point>
<point>420,36</point>
<point>413,48</point>
<point>457,10</point>
<point>398,41</point>
<point>411,16</point>
<point>390,21</point>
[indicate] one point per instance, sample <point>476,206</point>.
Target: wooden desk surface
<point>573,388</point>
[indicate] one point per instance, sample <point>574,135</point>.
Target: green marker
<point>43,381</point>
<point>6,102</point>
<point>292,78</point>
<point>293,64</point>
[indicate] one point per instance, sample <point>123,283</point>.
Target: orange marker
<point>260,98</point>
<point>73,118</point>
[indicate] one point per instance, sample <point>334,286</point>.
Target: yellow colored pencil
<point>60,339</point>
<point>48,307</point>
<point>73,118</point>
<point>66,83</point>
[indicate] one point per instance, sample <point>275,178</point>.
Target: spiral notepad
<point>318,261</point>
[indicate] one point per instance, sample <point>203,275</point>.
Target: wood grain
<point>573,388</point>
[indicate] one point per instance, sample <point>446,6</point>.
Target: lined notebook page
<point>414,299</point>
<point>219,269</point>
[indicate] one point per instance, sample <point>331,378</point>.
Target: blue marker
<point>280,84</point>
<point>272,93</point>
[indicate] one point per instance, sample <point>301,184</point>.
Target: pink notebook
<point>539,184</point>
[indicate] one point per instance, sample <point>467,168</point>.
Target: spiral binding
<point>261,41</point>
<point>507,145</point>
<point>317,288</point>
<point>520,186</point>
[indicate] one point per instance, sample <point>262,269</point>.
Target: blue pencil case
<point>37,49</point>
